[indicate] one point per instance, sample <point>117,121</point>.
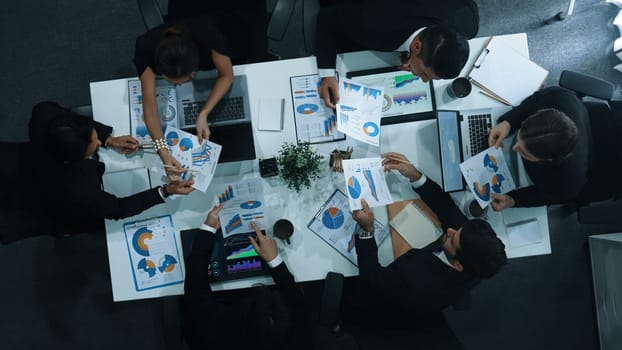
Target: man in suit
<point>259,318</point>
<point>431,35</point>
<point>424,281</point>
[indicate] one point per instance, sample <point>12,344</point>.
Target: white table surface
<point>308,257</point>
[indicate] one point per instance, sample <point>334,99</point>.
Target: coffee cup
<point>283,229</point>
<point>472,209</point>
<point>459,88</point>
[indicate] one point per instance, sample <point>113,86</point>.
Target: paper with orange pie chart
<point>154,255</point>
<point>485,173</point>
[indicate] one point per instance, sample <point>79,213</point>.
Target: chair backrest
<point>151,13</point>
<point>586,85</point>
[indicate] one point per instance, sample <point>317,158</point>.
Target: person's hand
<point>124,144</point>
<point>399,162</point>
<point>498,134</point>
<point>501,201</point>
<point>172,166</point>
<point>264,246</point>
<point>364,217</point>
<point>180,187</point>
<point>212,217</point>
<point>203,131</point>
<point>329,86</point>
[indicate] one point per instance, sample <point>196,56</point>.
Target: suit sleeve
<point>441,204</point>
<point>88,193</point>
<point>103,131</point>
<point>375,277</point>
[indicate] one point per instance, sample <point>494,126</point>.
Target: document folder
<point>506,75</point>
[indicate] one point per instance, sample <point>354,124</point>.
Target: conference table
<point>308,256</point>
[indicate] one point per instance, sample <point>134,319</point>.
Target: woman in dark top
<point>75,198</point>
<point>176,52</point>
<point>555,141</point>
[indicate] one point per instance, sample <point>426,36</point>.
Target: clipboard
<point>504,74</point>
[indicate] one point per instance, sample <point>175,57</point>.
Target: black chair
<point>151,13</point>
<point>600,203</point>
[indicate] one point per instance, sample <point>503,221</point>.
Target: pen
<point>184,169</point>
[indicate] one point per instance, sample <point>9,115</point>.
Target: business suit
<point>73,191</point>
<point>385,25</point>
<point>554,183</point>
<point>210,323</point>
<point>418,282</point>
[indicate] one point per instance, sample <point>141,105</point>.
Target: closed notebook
<point>415,227</point>
<point>505,74</point>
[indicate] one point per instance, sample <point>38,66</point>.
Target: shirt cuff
<point>326,72</point>
<point>420,182</point>
<point>206,227</point>
<point>275,262</point>
<point>161,194</point>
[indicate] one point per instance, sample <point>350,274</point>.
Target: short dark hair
<point>549,134</point>
<point>481,252</point>
<point>176,55</point>
<point>444,50</point>
<point>68,136</point>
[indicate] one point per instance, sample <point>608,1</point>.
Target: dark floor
<point>57,295</point>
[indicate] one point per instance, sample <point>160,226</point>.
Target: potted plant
<point>298,165</point>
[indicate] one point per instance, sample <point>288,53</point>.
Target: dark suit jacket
<point>73,192</point>
<point>210,323</point>
<point>417,282</point>
<point>385,25</point>
<point>554,183</point>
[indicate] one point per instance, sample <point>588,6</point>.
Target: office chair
<point>151,13</point>
<point>604,115</point>
<point>329,334</point>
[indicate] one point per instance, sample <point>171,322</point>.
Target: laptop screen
<point>450,150</point>
<point>406,97</point>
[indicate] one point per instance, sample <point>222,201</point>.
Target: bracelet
<point>160,144</point>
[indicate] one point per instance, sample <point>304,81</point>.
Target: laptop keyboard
<point>229,108</point>
<point>479,127</point>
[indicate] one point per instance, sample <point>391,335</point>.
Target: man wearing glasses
<point>429,35</point>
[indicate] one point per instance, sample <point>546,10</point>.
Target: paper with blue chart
<point>365,179</point>
<point>166,100</point>
<point>404,93</point>
<point>315,122</point>
<point>359,111</point>
<point>487,172</point>
<point>154,255</point>
<point>243,203</point>
<point>202,157</point>
<point>334,224</point>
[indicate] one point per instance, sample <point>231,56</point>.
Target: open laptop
<point>232,258</point>
<point>462,135</point>
<point>179,106</point>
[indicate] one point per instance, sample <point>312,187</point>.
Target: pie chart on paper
<point>333,218</point>
<point>354,187</point>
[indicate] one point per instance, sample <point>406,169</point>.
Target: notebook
<point>505,74</point>
<point>178,106</point>
<point>462,135</point>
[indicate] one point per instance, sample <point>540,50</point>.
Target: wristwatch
<point>362,233</point>
<point>165,193</point>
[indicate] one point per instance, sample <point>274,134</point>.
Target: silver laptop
<point>233,108</point>
<point>179,106</point>
<point>462,135</point>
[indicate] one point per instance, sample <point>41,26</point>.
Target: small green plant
<point>298,165</point>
